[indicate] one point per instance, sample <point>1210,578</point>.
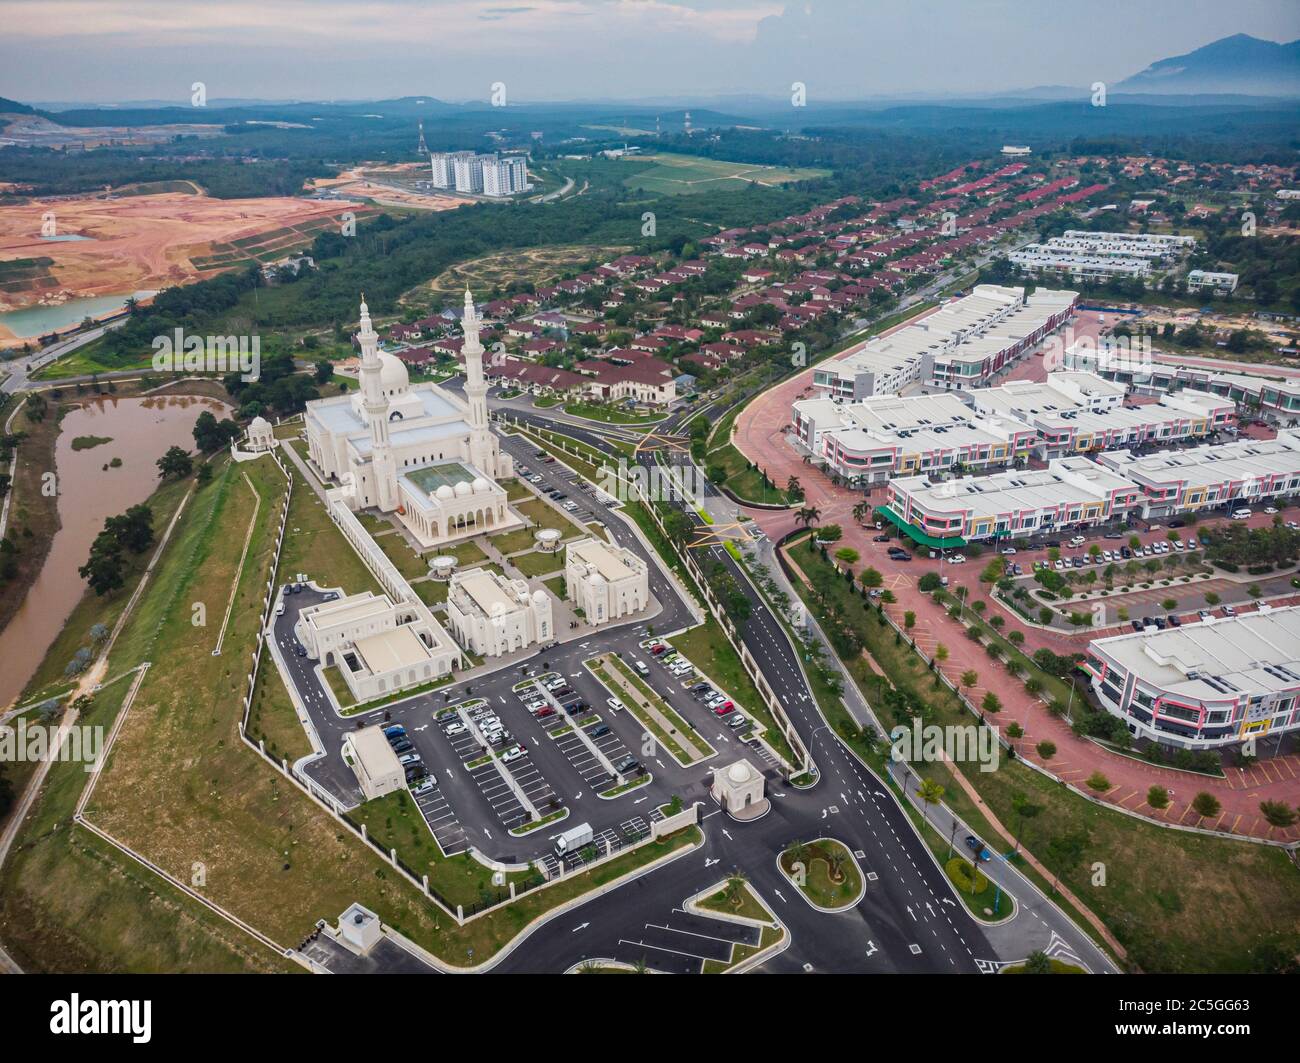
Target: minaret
<point>480,436</point>
<point>375,404</point>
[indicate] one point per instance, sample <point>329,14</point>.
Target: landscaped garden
<point>825,872</point>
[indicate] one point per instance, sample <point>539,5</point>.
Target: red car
<point>548,711</point>
<point>724,708</point>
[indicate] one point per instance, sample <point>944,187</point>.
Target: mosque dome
<point>481,485</point>
<point>392,373</point>
<point>738,772</point>
<point>444,492</point>
<point>463,488</point>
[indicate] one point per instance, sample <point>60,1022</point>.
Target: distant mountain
<point>1239,64</point>
<point>14,107</point>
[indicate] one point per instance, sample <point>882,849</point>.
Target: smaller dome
<point>539,596</point>
<point>481,485</point>
<point>259,424</point>
<point>463,488</point>
<point>444,492</point>
<point>738,772</point>
<point>498,609</point>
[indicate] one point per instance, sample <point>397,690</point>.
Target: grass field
<point>674,175</point>
<point>491,272</point>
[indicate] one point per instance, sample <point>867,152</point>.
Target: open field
<point>535,265</point>
<point>145,242</point>
<point>685,174</point>
<point>391,185</point>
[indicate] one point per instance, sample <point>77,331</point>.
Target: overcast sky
<point>114,50</point>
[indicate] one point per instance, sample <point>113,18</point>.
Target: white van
<point>1240,514</point>
<point>640,666</point>
<point>279,607</point>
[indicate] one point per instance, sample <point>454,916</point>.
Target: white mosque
<point>421,453</point>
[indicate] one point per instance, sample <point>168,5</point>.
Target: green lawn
<point>823,886</point>
<point>408,562</point>
<point>609,414</point>
<point>514,541</point>
<point>736,899</point>
<point>431,591</point>
<point>538,562</point>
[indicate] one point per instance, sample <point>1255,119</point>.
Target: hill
<point>1239,64</point>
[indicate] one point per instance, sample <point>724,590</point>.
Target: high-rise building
<point>505,175</point>
<point>442,166</point>
<point>467,169</point>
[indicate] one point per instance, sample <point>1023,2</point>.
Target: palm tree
<point>930,792</point>
<point>835,859</point>
<point>735,890</point>
<point>860,510</point>
<point>808,515</point>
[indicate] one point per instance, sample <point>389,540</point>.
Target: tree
<point>324,372</point>
<point>969,677</point>
<point>104,571</point>
<point>1066,850</point>
<point>1158,797</point>
<point>871,577</point>
<point>1205,805</point>
<point>1212,599</point>
<point>132,530</point>
<point>808,515</point>
<point>1046,749</point>
<point>175,462</point>
<point>992,703</point>
<point>210,435</point>
<point>1024,809</point>
<point>909,620</point>
<point>1098,782</point>
<point>928,583</point>
<point>941,653</point>
<point>930,792</point>
<point>1277,813</point>
<point>204,475</point>
<point>1037,962</point>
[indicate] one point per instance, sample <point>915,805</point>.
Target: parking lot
<point>485,775</point>
<point>681,942</point>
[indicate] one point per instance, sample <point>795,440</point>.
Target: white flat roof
<point>398,648</point>
<point>1215,660</point>
<point>607,562</point>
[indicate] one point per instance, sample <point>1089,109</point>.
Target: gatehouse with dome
<point>418,452</point>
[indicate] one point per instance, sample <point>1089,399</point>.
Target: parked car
<point>599,731</point>
<point>957,559</point>
<point>736,720</point>
<point>543,713</point>
<point>627,764</point>
<point>456,728</point>
<point>513,753</point>
<point>978,848</point>
<point>880,538</point>
<point>615,704</point>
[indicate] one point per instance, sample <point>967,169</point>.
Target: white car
<point>614,704</point>
<point>1008,550</point>
<point>423,788</point>
<point>1060,564</point>
<point>1240,514</point>
<point>1078,540</point>
<point>736,720</point>
<point>1178,545</point>
<point>957,559</point>
<point>1270,509</point>
<point>513,753</point>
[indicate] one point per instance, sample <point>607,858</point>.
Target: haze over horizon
<point>111,51</point>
